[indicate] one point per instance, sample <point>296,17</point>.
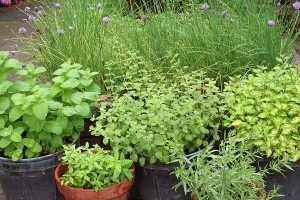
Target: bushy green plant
<point>157,117</point>
<point>227,173</point>
<point>264,108</point>
<point>37,117</point>
<point>94,168</point>
<point>221,45</point>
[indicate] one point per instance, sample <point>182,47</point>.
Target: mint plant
<point>38,117</point>
<point>227,173</point>
<point>94,168</point>
<point>159,117</point>
<point>264,108</point>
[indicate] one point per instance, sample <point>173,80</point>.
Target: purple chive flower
<point>46,28</point>
<point>144,18</point>
<point>60,31</point>
<point>271,23</point>
<point>106,20</point>
<point>31,18</point>
<point>204,6</point>
<point>99,5</point>
<point>39,12</point>
<point>296,5</point>
<point>13,53</point>
<point>57,5</point>
<point>224,14</point>
<point>70,28</point>
<point>231,21</point>
<point>22,30</point>
<point>27,9</point>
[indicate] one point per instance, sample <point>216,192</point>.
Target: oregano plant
<point>155,116</point>
<point>264,108</point>
<point>38,117</point>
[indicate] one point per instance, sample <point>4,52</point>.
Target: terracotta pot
<point>118,191</point>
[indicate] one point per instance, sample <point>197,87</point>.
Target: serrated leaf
<point>4,86</point>
<point>40,110</point>
<point>4,142</point>
<point>54,105</point>
<point>59,72</point>
<point>29,153</point>
<point>16,135</point>
<point>73,73</point>
<point>77,97</point>
<point>83,109</point>
<point>18,99</point>
<point>45,136</point>
<point>86,82</point>
<point>54,90</point>
<point>70,83</point>
<point>15,113</point>
<point>4,103</point>
<point>21,86</point>
<point>2,123</point>
<point>12,64</point>
<point>56,141</point>
<point>17,155</point>
<point>6,131</point>
<point>37,148</point>
<point>69,111</point>
<point>28,142</point>
<point>142,161</point>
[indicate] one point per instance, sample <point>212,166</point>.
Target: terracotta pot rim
<point>57,169</point>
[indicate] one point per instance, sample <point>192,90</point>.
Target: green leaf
<point>70,83</point>
<point>6,131</point>
<point>16,135</point>
<point>4,103</point>
<point>73,73</point>
<point>77,97</point>
<point>54,90</point>
<point>21,86</point>
<point>4,55</point>
<point>45,136</point>
<point>40,110</point>
<point>117,172</point>
<point>142,161</point>
<point>53,127</point>
<point>4,86</point>
<point>83,109</point>
<point>12,64</point>
<point>59,72</point>
<point>54,105</point>
<point>69,111</point>
<point>39,70</point>
<point>17,155</point>
<point>86,82</point>
<point>4,142</point>
<point>56,141</point>
<point>15,113</point>
<point>93,88</point>
<point>37,148</point>
<point>2,122</point>
<point>29,153</point>
<point>18,99</point>
<point>28,142</point>
<point>78,123</point>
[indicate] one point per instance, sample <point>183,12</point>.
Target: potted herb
<point>227,173</point>
<point>94,174</point>
<point>36,119</point>
<point>153,119</point>
<point>264,109</point>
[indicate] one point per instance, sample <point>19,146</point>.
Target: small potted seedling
<point>92,173</point>
<point>156,118</point>
<point>264,109</point>
<point>36,118</point>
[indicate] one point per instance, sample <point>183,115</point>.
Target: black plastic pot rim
<point>31,160</point>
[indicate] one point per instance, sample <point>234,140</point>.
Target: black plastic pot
<point>30,179</point>
<point>289,183</point>
<point>155,182</point>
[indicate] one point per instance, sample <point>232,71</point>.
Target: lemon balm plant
<point>264,108</point>
<point>36,119</point>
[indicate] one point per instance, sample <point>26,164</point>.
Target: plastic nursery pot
<point>118,191</point>
<point>289,182</point>
<point>30,179</point>
<point>156,183</point>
